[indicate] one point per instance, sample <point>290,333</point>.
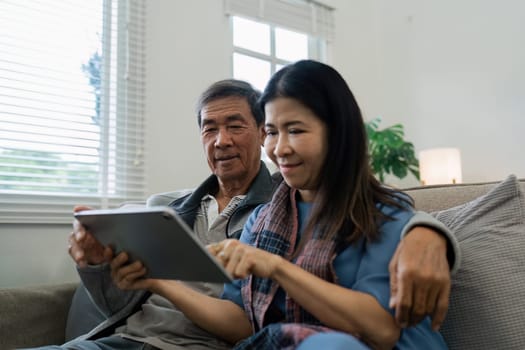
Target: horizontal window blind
<point>71,107</point>
<point>306,16</point>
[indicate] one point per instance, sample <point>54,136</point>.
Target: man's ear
<point>263,135</point>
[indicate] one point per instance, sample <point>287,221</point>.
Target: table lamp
<point>440,166</point>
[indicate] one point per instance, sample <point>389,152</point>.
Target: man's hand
<point>84,248</point>
<point>420,278</point>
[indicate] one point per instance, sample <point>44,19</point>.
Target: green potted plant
<point>389,152</point>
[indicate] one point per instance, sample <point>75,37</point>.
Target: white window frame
<point>316,47</point>
<point>314,18</point>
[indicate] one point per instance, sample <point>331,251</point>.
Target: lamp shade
<point>440,166</point>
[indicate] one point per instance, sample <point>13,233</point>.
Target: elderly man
<point>232,133</point>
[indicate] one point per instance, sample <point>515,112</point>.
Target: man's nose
<point>223,138</point>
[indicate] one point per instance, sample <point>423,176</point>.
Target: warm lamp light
<point>440,166</point>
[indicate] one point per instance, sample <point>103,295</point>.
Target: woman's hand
<point>241,260</point>
<point>220,317</point>
<point>128,276</point>
<point>335,306</point>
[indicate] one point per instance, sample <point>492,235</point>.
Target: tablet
<point>159,238</point>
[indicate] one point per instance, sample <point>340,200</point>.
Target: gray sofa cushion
<point>487,304</point>
<point>33,316</point>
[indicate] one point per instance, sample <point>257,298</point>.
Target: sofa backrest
<point>439,197</point>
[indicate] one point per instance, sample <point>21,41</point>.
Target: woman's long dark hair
<point>348,193</point>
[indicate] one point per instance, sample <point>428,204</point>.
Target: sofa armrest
<point>34,316</point>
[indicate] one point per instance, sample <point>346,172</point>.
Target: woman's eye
<point>271,133</point>
<point>295,131</point>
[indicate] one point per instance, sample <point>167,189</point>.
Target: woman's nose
<point>282,147</point>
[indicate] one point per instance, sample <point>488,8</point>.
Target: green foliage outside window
<point>27,170</point>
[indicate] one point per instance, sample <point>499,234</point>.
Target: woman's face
<point>296,140</point>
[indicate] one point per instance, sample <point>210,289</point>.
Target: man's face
<point>231,139</point>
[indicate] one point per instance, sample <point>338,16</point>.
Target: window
<point>71,107</point>
<point>268,34</point>
<point>261,49</point>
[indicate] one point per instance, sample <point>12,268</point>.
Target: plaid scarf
<point>276,231</point>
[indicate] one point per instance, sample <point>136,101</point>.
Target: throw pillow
<point>487,302</point>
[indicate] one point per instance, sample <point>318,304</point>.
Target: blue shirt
<point>362,266</point>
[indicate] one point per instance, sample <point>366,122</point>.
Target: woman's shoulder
<point>398,203</point>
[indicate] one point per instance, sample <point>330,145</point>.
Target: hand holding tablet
<point>159,238</point>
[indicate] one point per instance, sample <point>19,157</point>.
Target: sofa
<point>487,304</point>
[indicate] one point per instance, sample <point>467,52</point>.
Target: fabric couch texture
<point>490,282</point>
<point>31,316</point>
<point>487,307</point>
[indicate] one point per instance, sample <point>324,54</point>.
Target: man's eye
<point>236,126</point>
<point>208,130</point>
<point>236,129</point>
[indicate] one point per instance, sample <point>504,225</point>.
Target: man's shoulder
<point>166,198</point>
<point>277,178</point>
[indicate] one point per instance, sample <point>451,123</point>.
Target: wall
<point>34,255</point>
<point>188,48</point>
<point>451,72</point>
